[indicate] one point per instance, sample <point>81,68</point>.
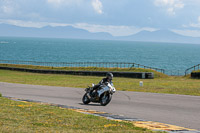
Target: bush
<point>0,95</point>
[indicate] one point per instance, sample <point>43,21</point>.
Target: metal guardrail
<point>82,64</point>
<point>103,65</point>
<point>194,68</point>
<point>174,72</point>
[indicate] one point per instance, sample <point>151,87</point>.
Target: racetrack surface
<point>180,110</point>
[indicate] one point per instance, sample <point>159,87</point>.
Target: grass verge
<point>197,71</point>
<point>33,117</point>
<point>156,74</point>
<point>170,85</point>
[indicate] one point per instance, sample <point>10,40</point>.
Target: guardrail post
<point>133,65</point>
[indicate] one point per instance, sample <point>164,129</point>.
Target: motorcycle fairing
<point>102,90</point>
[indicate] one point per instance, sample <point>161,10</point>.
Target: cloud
<point>185,32</point>
<point>192,29</point>
<point>97,5</point>
<point>8,7</point>
<point>120,30</point>
<point>199,19</point>
<point>34,24</point>
<point>58,3</point>
<point>170,5</point>
<point>194,25</point>
<point>55,1</point>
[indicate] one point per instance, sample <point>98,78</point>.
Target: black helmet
<point>109,76</point>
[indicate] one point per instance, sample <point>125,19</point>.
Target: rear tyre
<point>85,99</point>
<point>105,99</point>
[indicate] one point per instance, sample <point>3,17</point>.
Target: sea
<point>173,57</point>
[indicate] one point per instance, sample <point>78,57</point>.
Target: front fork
<point>88,94</point>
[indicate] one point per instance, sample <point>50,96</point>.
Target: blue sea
<point>169,56</point>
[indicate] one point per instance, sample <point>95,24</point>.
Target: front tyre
<point>105,99</point>
<point>85,99</point>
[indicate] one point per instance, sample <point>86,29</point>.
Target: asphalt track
<point>180,110</point>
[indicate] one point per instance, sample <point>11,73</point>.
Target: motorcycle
<point>103,95</point>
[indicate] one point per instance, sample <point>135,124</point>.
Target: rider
<point>109,77</point>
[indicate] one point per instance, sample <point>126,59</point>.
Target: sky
<point>118,17</point>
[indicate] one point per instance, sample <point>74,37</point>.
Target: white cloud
<point>55,1</point>
<point>199,19</point>
<point>97,5</point>
<point>164,2</point>
<point>192,33</point>
<point>193,25</point>
<point>171,11</point>
<point>22,23</point>
<point>192,29</point>
<point>112,29</point>
<point>8,7</point>
<point>58,3</point>
<point>170,5</point>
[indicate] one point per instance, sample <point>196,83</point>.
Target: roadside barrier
<point>195,75</point>
<point>102,65</point>
<point>82,64</point>
<point>141,75</point>
<point>194,68</point>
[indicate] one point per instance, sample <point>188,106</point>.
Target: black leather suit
<point>103,81</point>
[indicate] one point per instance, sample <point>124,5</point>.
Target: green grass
<point>156,74</point>
<point>197,71</point>
<point>170,85</point>
<point>33,117</point>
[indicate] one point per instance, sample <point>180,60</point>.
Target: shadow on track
<point>90,104</point>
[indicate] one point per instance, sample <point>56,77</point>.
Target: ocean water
<point>169,56</point>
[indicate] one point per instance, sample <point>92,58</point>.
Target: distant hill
<point>160,36</point>
<point>53,32</point>
<point>76,33</point>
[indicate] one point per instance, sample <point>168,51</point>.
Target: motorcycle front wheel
<point>85,99</point>
<point>105,99</point>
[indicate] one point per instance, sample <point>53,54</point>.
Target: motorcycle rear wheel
<point>85,99</point>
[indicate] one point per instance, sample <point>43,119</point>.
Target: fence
<point>174,72</point>
<point>82,64</point>
<point>103,65</point>
<point>194,68</point>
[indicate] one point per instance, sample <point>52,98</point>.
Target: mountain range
<point>76,33</point>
